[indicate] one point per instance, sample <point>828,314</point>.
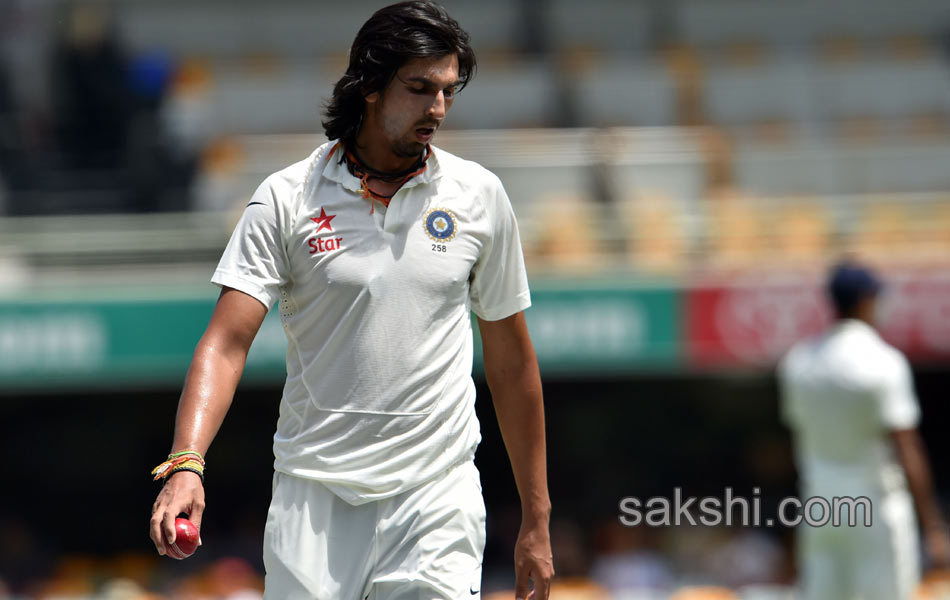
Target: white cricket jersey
<point>843,392</point>
<point>376,307</point>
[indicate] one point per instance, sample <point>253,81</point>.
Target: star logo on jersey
<point>323,221</point>
<point>440,225</point>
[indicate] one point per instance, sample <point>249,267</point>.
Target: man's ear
<point>371,98</point>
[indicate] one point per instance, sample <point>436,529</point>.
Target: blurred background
<point>684,172</point>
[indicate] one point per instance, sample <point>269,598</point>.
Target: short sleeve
<point>255,260</point>
<point>897,401</point>
<point>499,286</point>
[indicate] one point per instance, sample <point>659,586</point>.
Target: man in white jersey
<point>848,397</point>
<point>376,248</point>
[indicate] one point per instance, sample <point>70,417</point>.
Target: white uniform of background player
<point>844,393</point>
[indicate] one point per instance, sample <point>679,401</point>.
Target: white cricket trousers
<point>424,544</point>
<point>880,562</point>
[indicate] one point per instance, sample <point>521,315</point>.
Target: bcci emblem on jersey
<point>440,224</point>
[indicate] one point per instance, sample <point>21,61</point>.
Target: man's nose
<point>436,110</point>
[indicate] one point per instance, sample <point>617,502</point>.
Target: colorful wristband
<point>195,471</point>
<point>180,460</point>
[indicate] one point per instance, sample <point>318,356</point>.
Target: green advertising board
<point>604,329</point>
<point>97,342</point>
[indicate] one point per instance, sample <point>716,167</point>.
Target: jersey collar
<point>854,325</point>
<point>335,170</point>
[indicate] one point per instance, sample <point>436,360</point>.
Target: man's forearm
<point>517,397</point>
<point>911,453</point>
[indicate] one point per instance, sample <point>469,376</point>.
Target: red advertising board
<point>753,322</point>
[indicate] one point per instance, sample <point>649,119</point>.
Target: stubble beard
<point>407,148</point>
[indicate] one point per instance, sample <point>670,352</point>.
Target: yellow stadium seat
<point>882,230</point>
<point>565,236</point>
<point>734,230</point>
<point>801,231</point>
<point>566,588</point>
<point>704,593</point>
<point>657,240</point>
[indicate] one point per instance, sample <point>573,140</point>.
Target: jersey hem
<point>354,494</point>
<point>252,289</point>
<point>506,309</point>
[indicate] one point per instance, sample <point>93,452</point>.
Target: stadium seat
<point>882,89</point>
<point>704,23</point>
<point>874,19</point>
<point>657,232</point>
<point>567,236</point>
<point>618,27</point>
<point>293,28</point>
<point>492,24</point>
<point>937,229</point>
<point>634,165</point>
<point>531,163</point>
<point>801,231</point>
<point>735,235</point>
<point>819,166</point>
<point>520,93</point>
<point>804,23</point>
<point>220,29</point>
<point>704,593</point>
<point>777,90</point>
<point>284,99</point>
<point>625,92</point>
<point>913,165</point>
<point>882,229</point>
<point>800,166</point>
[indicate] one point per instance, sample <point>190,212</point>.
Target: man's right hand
<point>183,492</point>
<point>937,544</point>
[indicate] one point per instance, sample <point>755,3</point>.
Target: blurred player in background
<point>376,248</point>
<point>848,397</point>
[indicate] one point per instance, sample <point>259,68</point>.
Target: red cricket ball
<point>186,540</point>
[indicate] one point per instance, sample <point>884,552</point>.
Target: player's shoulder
<point>878,361</point>
<point>282,185</point>
<point>467,173</point>
<point>869,354</point>
<point>892,359</point>
<point>868,342</point>
<point>797,355</point>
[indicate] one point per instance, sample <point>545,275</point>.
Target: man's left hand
<point>534,562</point>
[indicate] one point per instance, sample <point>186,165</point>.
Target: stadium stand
<point>509,93</point>
<point>608,26</point>
<point>618,91</point>
<point>772,91</point>
<point>800,24</point>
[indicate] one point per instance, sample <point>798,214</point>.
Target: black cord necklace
<point>363,172</point>
<point>358,168</point>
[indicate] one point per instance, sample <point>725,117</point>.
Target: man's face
<point>407,113</point>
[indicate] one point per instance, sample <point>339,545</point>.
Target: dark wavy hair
<point>390,38</point>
